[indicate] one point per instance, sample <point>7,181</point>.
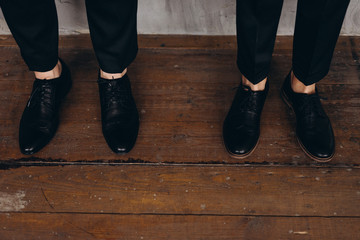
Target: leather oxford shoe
<point>119,115</point>
<point>40,118</point>
<point>313,128</point>
<point>241,128</point>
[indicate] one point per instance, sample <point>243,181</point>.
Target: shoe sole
<point>289,104</point>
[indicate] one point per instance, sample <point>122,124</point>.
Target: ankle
<point>254,87</point>
<point>53,73</point>
<point>110,76</point>
<point>298,87</point>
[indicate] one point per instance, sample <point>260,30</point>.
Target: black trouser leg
<point>34,26</point>
<point>318,24</point>
<point>257,22</point>
<point>113,32</point>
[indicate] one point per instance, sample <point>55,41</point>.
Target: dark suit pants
<point>112,25</point>
<point>318,24</point>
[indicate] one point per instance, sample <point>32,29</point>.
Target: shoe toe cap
<point>120,148</point>
<point>32,147</point>
<point>31,142</point>
<point>120,141</point>
<point>240,149</point>
<point>318,150</point>
<point>241,145</point>
<point>322,154</point>
<point>28,150</point>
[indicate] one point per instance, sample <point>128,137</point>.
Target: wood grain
<point>158,227</point>
<point>204,190</point>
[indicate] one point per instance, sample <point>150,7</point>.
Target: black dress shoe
<point>241,129</point>
<point>313,127</point>
<point>120,117</point>
<point>40,118</point>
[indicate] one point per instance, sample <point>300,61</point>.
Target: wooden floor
<point>178,182</point>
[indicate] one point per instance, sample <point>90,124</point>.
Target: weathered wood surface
<point>76,188</point>
<point>183,96</point>
<point>179,202</point>
<point>203,190</point>
<point>112,226</point>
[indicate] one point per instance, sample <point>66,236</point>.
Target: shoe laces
<point>248,103</point>
<point>311,106</point>
<point>116,94</point>
<point>42,94</point>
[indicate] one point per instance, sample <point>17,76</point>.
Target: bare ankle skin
<point>298,87</point>
<point>254,87</point>
<point>111,76</point>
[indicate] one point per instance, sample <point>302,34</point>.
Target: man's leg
<point>113,32</point>
<point>318,24</point>
<point>257,22</point>
<point>34,26</point>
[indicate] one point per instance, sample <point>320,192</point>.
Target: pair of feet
<point>241,128</point>
<point>40,120</point>
<point>120,118</point>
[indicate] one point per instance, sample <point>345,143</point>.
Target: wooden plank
<point>109,226</point>
<point>163,189</point>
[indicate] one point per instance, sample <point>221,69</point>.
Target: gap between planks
<point>11,164</point>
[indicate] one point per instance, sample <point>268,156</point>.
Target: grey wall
<point>200,17</point>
